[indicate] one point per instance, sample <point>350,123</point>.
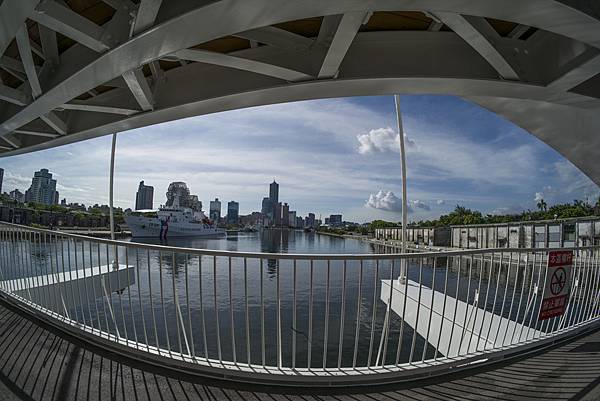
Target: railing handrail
<point>299,256</point>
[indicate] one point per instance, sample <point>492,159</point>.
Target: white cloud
<point>440,202</point>
<point>385,200</point>
<point>381,140</point>
<point>419,204</point>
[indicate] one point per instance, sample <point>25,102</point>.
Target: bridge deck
<point>37,364</point>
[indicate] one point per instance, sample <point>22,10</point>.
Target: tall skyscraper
<point>215,210</point>
<point>180,192</point>
<point>274,192</point>
<point>1,178</point>
<point>267,212</point>
<point>144,197</point>
<point>285,215</point>
<point>42,189</point>
<point>310,220</point>
<point>233,212</point>
<point>292,218</point>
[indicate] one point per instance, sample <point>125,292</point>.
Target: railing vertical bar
<point>593,286</point>
<point>310,316</point>
<point>404,266</point>
<point>588,290</point>
<point>487,292</point>
<point>594,303</point>
<point>232,320</point>
<point>570,316</point>
<point>152,301</point>
<point>248,353</point>
<point>386,330</point>
<point>525,267</point>
<point>515,285</point>
<point>162,303</point>
<point>327,297</point>
<point>374,315</point>
<point>443,317</point>
<point>278,295</point>
<point>294,317</point>
<point>202,317</point>
<point>34,276</point>
<point>85,285</point>
<point>120,290</point>
<point>189,306</point>
<point>508,269</point>
<point>477,308</point>
<point>139,285</point>
<point>528,297</point>
<point>135,337</point>
<point>358,307</point>
<point>592,297</point>
<point>104,302</point>
<point>219,354</point>
<point>70,283</point>
<point>181,331</point>
<point>585,291</point>
<point>433,273</point>
<point>464,326</point>
<point>342,316</point>
<point>77,282</point>
<point>414,338</point>
<point>38,268</point>
<point>533,291</point>
<point>262,313</point>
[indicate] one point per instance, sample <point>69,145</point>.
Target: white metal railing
<point>285,317</point>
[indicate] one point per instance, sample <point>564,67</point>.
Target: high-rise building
<point>299,222</point>
<point>335,220</point>
<point>310,220</point>
<point>277,214</point>
<point>233,212</point>
<point>267,212</point>
<point>285,215</point>
<point>274,192</point>
<point>1,178</point>
<point>275,205</point>
<point>215,210</point>
<point>292,218</point>
<point>180,192</point>
<point>144,197</point>
<point>42,189</point>
<point>17,196</point>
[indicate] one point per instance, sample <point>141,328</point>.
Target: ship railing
<point>295,319</point>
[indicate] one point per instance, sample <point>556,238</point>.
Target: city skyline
<point>332,156</point>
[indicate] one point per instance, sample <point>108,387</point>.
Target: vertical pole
<point>111,184</point>
<point>404,200</point>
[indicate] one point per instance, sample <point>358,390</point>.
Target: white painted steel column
<point>404,199</point>
<point>111,185</point>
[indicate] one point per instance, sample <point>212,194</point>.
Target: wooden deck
<point>38,364</point>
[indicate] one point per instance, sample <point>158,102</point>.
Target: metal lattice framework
<point>77,69</point>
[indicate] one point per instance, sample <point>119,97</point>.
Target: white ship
<point>172,221</point>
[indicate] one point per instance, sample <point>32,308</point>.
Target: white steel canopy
<point>77,69</point>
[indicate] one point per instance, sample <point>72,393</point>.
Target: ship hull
<point>148,227</point>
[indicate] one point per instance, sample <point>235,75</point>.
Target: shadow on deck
<point>38,364</point>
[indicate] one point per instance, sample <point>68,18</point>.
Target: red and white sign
<point>558,283</point>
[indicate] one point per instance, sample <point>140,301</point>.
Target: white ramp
<point>71,288</point>
<point>456,335</point>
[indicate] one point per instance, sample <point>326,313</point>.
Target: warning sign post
<point>558,283</point>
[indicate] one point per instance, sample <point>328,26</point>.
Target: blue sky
<point>329,156</point>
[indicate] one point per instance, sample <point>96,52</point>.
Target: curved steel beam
<point>197,26</point>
